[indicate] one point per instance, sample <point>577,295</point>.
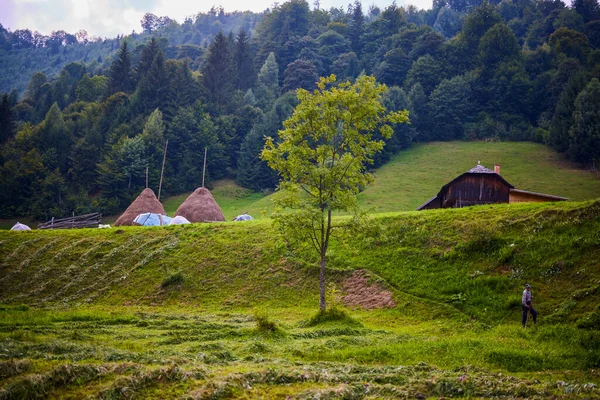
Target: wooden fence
<point>76,221</point>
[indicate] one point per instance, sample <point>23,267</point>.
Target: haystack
<point>200,206</point>
<point>146,202</point>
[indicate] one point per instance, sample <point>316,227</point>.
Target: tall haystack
<point>200,206</point>
<point>146,202</point>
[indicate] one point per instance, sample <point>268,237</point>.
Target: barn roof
<point>426,203</point>
<point>477,170</point>
<point>542,195</point>
<point>480,169</point>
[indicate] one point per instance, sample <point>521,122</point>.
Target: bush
<point>264,324</point>
<point>173,280</point>
<point>513,304</point>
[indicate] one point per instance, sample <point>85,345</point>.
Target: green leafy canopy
<point>328,142</point>
<point>322,155</point>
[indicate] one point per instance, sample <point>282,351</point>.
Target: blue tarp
<point>243,217</point>
<point>151,219</point>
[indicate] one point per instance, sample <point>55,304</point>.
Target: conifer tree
<point>54,137</point>
<point>244,62</point>
<point>356,28</point>
<point>269,74</point>
<point>120,77</point>
<point>218,72</point>
<point>152,87</point>
<point>153,138</point>
<point>149,53</point>
<point>252,172</point>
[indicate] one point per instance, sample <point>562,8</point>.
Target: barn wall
<point>476,189</point>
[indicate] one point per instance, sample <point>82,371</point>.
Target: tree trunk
<point>325,232</point>
<point>322,282</point>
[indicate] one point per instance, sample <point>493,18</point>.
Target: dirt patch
<point>361,293</point>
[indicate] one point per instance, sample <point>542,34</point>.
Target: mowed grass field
<point>209,311</point>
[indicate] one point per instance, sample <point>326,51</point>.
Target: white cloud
<point>108,18</point>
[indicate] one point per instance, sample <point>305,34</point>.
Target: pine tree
<point>153,135</point>
<point>419,115</point>
<point>244,62</point>
<point>356,28</point>
<point>152,87</point>
<point>218,72</point>
<point>120,72</point>
<point>269,74</point>
<point>149,53</point>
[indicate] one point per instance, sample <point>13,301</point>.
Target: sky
<point>109,18</point>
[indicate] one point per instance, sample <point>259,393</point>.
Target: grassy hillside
<point>415,175</point>
<point>224,310</point>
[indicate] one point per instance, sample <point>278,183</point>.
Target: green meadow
<point>228,310</point>
<point>417,174</point>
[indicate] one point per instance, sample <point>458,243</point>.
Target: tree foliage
<point>321,157</point>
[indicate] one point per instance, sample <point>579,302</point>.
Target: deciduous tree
<point>322,156</point>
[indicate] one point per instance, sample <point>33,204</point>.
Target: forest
<point>83,118</point>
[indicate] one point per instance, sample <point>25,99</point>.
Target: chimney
<point>497,168</point>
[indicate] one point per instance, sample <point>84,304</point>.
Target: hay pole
<point>204,168</point>
<point>146,177</point>
<point>163,169</point>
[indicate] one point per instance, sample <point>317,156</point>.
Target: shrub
<point>264,324</point>
<point>173,280</point>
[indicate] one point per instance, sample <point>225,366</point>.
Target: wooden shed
<point>481,185</point>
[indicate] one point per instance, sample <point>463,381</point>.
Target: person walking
<point>527,301</point>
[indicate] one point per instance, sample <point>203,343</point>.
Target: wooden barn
<point>481,185</point>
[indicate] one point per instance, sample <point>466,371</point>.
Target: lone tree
<point>322,156</point>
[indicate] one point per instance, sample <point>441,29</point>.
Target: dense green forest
<point>79,130</point>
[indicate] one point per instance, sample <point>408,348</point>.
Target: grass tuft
<point>173,280</point>
<point>264,324</point>
<point>332,314</point>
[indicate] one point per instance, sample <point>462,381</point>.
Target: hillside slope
<point>417,174</point>
<point>474,259</point>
